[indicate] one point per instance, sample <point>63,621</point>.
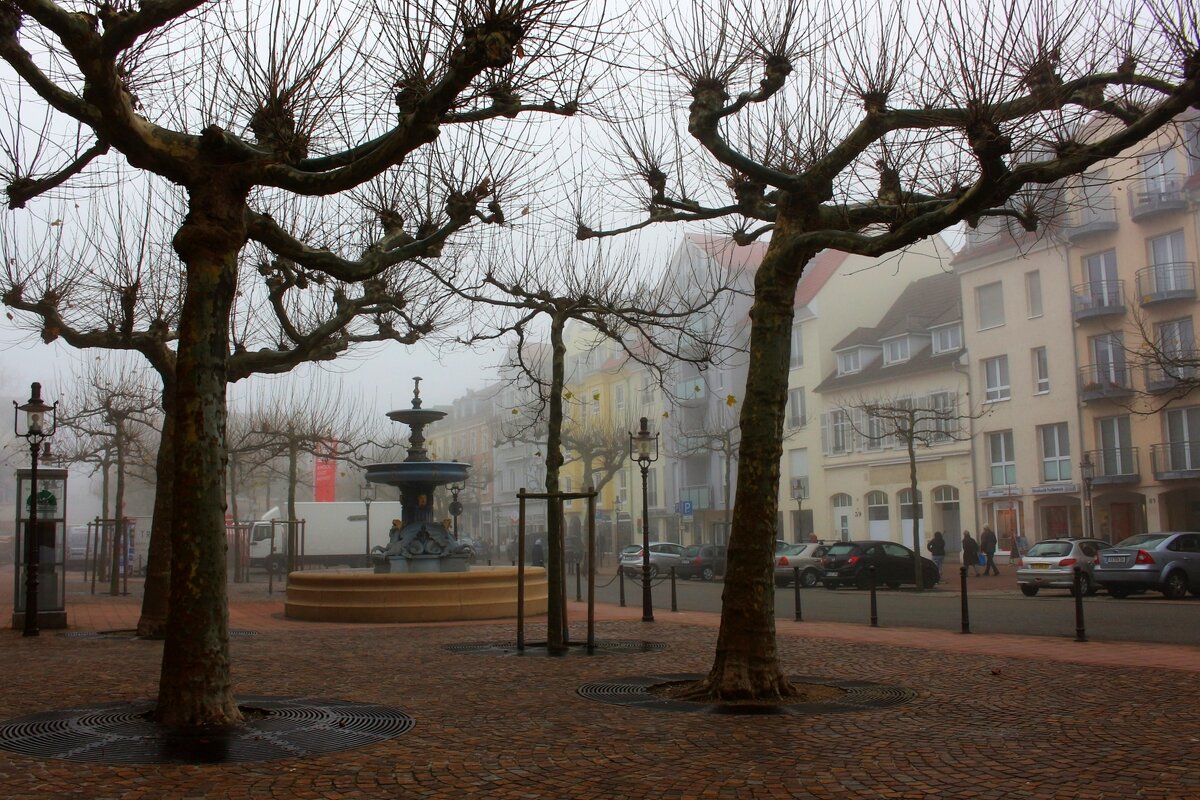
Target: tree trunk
<point>912,485</point>
<point>156,594</point>
<point>119,533</point>
<point>293,530</point>
<point>195,688</point>
<point>103,557</point>
<point>556,639</point>
<point>746,665</point>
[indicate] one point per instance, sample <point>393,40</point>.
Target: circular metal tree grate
<point>275,727</point>
<point>636,691</point>
<point>603,647</point>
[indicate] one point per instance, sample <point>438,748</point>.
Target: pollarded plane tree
<point>866,127</point>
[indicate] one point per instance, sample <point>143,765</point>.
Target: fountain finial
<point>416,401</point>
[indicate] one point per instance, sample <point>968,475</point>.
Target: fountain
<point>422,574</point>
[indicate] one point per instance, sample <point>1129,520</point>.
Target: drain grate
<point>635,691</point>
<point>276,727</point>
<point>132,634</point>
<point>603,647</point>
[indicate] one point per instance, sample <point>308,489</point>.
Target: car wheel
<point>1029,591</point>
<point>1175,587</point>
<point>653,571</point>
<point>1119,593</point>
<point>809,578</point>
<point>1085,584</point>
<point>707,573</point>
<point>931,581</point>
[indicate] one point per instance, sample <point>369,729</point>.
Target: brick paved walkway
<point>996,717</point>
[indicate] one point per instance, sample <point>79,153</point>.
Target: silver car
<point>1050,564</point>
<point>663,556</point>
<point>805,556</point>
<point>1166,562</point>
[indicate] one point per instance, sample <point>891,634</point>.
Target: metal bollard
<point>1080,633</point>
<point>621,583</point>
<point>966,615</point>
<point>578,583</point>
<point>674,597</point>
<point>796,586</point>
<point>874,603</point>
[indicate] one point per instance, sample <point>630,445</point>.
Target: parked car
<point>847,563</point>
<point>663,556</point>
<point>806,556</point>
<point>1163,562</point>
<point>704,561</point>
<point>1050,564</point>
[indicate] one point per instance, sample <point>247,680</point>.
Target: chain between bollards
<point>674,598</point>
<point>796,584</point>
<point>966,615</point>
<point>1080,633</point>
<point>874,603</point>
<point>621,583</point>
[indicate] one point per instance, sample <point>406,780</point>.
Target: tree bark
<point>195,688</point>
<point>119,533</point>
<point>555,618</point>
<point>912,484</point>
<point>156,593</point>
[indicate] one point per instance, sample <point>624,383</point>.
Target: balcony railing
<point>1156,197</point>
<point>701,496</point>
<point>1097,299</point>
<point>1175,460</point>
<point>1115,465</point>
<point>1104,381</point>
<point>1100,218</point>
<point>1176,370</point>
<point>1162,282</point>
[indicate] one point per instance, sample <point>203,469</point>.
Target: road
<point>1141,618</point>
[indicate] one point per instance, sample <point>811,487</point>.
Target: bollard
<point>1080,633</point>
<point>796,586</point>
<point>674,597</point>
<point>966,616</point>
<point>578,583</point>
<point>621,582</point>
<point>874,604</point>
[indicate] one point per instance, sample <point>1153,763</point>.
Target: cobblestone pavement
<point>995,716</point>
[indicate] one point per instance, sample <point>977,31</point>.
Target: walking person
<point>937,549</point>
<point>970,551</point>
<point>987,544</point>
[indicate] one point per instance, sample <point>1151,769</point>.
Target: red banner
<point>325,474</point>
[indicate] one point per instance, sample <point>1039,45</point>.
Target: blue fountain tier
<point>427,473</point>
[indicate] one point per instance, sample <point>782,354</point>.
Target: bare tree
<point>865,127</point>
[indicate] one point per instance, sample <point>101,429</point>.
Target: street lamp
<point>643,448</point>
<point>455,506</point>
<point>35,433</point>
<point>366,493</point>
<point>1087,470</point>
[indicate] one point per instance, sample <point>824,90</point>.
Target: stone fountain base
<point>365,596</point>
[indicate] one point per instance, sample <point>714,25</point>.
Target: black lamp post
<point>643,448</point>
<point>1087,471</point>
<point>366,493</point>
<point>455,507</point>
<point>35,433</point>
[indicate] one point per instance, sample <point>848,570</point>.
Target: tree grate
<point>275,728</point>
<point>636,691</point>
<point>603,647</point>
<point>132,634</point>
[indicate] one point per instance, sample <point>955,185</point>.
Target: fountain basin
<point>363,596</point>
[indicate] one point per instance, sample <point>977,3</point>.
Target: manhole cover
<point>603,647</point>
<point>277,727</point>
<point>635,691</point>
<point>132,634</point>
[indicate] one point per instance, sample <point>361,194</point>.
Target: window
<point>947,339</point>
<point>622,487</point>
<point>836,432</point>
<point>943,422</point>
<point>1000,452</point>
<point>1100,273</point>
<point>798,468</point>
<point>877,506</point>
<point>1168,256</point>
<point>895,350</point>
<point>989,304</point>
<point>797,357</point>
<point>595,402</point>
<point>567,484</point>
<point>1159,171</point>
<point>907,509</point>
<point>995,378</point>
<point>1108,359</point>
<point>619,398</point>
<point>1041,371</point>
<point>848,362</point>
<point>1183,439</point>
<point>1116,455</point>
<point>652,487</point>
<point>648,390</point>
<point>1033,294</point>
<point>841,500</point>
<point>1056,452</point>
<point>1176,337</point>
<point>797,415</point>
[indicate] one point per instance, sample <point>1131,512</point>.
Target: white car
<point>806,556</point>
<point>663,556</point>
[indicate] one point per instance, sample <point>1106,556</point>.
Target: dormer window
<point>895,351</point>
<point>947,339</point>
<point>849,362</point>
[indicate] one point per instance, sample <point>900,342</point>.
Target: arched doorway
<point>879,524</point>
<point>947,518</point>
<point>908,513</point>
<point>842,505</point>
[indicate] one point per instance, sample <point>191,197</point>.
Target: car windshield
<point>1144,540</point>
<point>792,550</point>
<point>1049,550</point>
<point>692,552</point>
<point>841,549</point>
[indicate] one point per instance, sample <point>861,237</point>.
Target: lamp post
<point>366,493</point>
<point>455,507</point>
<point>1087,470</point>
<point>35,433</point>
<point>643,448</point>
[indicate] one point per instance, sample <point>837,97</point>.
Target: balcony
<point>1115,465</point>
<point>1157,197</point>
<point>1163,282</point>
<point>701,496</point>
<point>1104,382</point>
<point>1097,299</point>
<point>1179,370</point>
<point>1175,461</point>
<point>1092,220</point>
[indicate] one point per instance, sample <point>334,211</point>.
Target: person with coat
<point>937,549</point>
<point>539,554</point>
<point>987,545</point>
<point>970,550</point>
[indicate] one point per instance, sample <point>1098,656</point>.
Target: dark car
<point>1163,562</point>
<point>704,561</point>
<point>848,564</point>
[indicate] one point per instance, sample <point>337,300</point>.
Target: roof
<point>729,254</point>
<point>816,274</point>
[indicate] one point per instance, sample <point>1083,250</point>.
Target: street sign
<point>684,507</point>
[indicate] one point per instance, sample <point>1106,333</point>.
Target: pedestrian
<point>812,537</point>
<point>539,554</point>
<point>937,549</point>
<point>511,549</point>
<point>987,545</point>
<point>970,550</point>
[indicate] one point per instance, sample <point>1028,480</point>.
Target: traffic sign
<point>684,507</point>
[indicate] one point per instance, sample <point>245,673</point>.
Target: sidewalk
<point>996,716</point>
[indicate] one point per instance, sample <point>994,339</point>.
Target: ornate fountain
<point>419,543</point>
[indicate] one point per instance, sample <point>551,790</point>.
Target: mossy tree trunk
<point>156,592</point>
